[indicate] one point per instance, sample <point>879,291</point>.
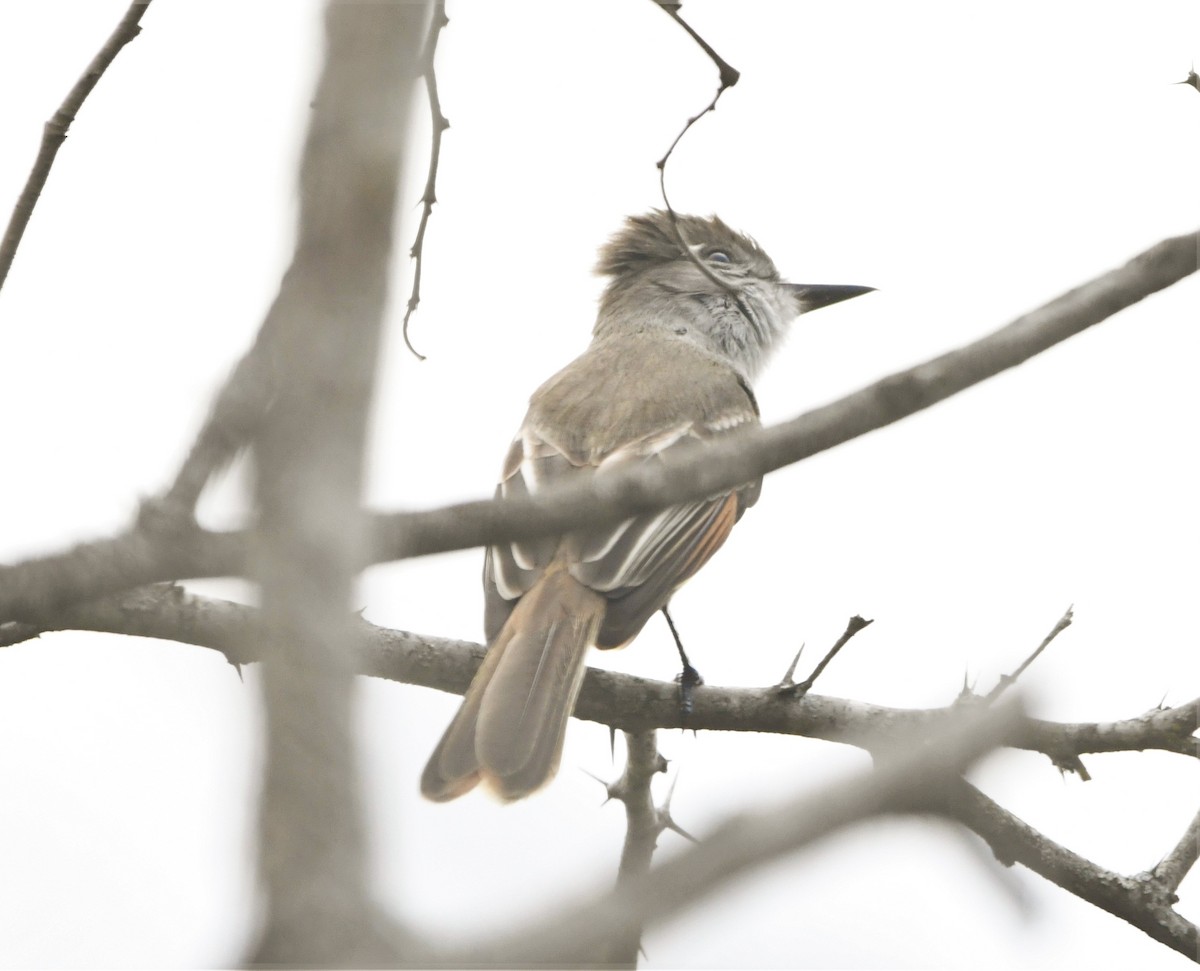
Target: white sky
<point>970,161</point>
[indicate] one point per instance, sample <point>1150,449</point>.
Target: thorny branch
<point>642,828</point>
<point>575,933</point>
<point>627,703</point>
<point>55,131</point>
<point>792,689</point>
<point>146,552</point>
<point>638,706</point>
<point>429,196</point>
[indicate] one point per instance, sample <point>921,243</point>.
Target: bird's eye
<point>718,256</point>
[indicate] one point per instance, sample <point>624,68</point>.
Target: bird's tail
<point>509,730</point>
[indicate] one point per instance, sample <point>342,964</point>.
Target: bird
<point>680,335</point>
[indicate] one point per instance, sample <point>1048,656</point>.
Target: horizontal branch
<point>622,701</point>
<point>146,554</point>
<point>139,556</point>
<point>636,704</point>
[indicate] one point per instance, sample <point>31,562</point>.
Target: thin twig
<point>728,78</point>
<point>1007,679</point>
<point>853,626</point>
<point>54,132</point>
<point>429,196</point>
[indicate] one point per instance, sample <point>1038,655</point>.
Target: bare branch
<point>728,78</point>
<point>642,828</point>
<point>623,701</point>
<point>1171,870</point>
<point>1140,901</point>
<point>638,705</point>
<point>32,587</point>
<point>309,455</point>
<point>429,196</point>
<point>855,624</point>
<point>42,585</point>
<point>253,386</point>
<point>748,841</point>
<point>55,131</point>
<point>1007,679</point>
<point>741,458</point>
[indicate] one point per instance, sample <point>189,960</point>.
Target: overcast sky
<point>970,161</point>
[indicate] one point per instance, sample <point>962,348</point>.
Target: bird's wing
<point>638,563</point>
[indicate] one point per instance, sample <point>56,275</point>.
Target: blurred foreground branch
<point>308,542</point>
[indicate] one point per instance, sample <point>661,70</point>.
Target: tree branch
<point>307,545</point>
<point>642,828</point>
<point>137,557</point>
<point>440,123</point>
<point>1171,870</point>
<point>639,705</point>
<point>742,843</point>
<point>1006,680</point>
<point>54,133</point>
<point>1142,902</point>
<point>744,457</point>
<point>625,702</point>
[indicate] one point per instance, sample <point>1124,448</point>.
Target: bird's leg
<point>689,677</point>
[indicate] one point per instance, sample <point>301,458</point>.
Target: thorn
<point>671,793</point>
<point>788,676</point>
<point>612,743</point>
<point>608,787</point>
<point>666,821</point>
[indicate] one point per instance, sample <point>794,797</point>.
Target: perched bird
<point>672,358</point>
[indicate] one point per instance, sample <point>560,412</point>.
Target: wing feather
<point>636,564</point>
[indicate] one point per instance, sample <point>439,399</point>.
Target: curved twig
<point>429,196</point>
